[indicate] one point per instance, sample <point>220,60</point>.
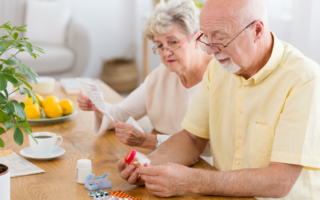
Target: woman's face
<point>180,59</point>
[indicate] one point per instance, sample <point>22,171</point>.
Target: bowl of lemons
<point>48,110</point>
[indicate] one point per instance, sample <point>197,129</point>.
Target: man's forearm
<point>179,148</point>
<point>274,181</point>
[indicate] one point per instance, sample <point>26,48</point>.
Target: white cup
<point>46,143</point>
<point>45,85</point>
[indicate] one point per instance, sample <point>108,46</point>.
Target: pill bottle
<point>83,170</point>
<point>137,159</point>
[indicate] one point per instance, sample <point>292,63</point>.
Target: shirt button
<point>238,162</point>
<point>240,111</point>
<point>243,86</point>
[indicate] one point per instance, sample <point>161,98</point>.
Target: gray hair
<point>184,13</point>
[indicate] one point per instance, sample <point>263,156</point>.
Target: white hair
<point>184,13</point>
<point>230,67</point>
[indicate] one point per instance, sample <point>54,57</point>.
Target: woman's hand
<point>85,103</point>
<point>129,135</point>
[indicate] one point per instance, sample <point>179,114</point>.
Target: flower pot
<point>4,182</point>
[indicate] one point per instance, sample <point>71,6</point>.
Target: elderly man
<point>258,104</point>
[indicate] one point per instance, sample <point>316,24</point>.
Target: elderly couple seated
<point>227,90</point>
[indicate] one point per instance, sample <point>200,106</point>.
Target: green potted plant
<point>12,115</point>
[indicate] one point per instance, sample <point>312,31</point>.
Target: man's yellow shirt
<point>273,116</point>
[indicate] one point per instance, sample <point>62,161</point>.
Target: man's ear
<point>259,30</point>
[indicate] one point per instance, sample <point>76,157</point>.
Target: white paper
<point>96,96</point>
<point>19,166</point>
<point>134,123</point>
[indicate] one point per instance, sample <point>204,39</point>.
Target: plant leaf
<point>8,71</point>
<point>6,93</point>
<point>21,29</point>
<point>2,130</point>
<point>29,48</point>
<point>3,47</point>
<point>1,66</point>
<point>9,125</point>
<point>25,83</point>
<point>17,136</point>
<point>34,72</point>
<point>17,59</point>
<point>19,76</point>
<point>32,77</point>
<point>9,108</point>
<point>3,82</point>
<point>22,105</point>
<point>1,143</point>
<point>22,69</point>
<point>26,124</point>
<point>3,101</point>
<point>19,109</point>
<point>10,62</point>
<point>15,35</point>
<point>2,96</point>
<point>12,79</point>
<point>30,94</point>
<point>21,90</point>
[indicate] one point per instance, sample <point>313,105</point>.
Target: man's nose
<point>212,50</point>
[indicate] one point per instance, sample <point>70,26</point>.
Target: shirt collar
<point>270,66</point>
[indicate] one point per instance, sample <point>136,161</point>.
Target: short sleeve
<point>297,136</point>
<point>196,120</point>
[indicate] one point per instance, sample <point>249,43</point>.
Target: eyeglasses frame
<point>212,45</point>
<point>180,41</point>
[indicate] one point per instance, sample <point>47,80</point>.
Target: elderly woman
<point>168,91</point>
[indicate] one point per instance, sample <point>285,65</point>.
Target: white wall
<point>110,24</point>
<point>142,12</point>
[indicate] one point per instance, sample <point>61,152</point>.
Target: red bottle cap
<point>130,156</point>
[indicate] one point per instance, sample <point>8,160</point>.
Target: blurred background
<point>104,38</point>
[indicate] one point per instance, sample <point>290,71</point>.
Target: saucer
<point>27,152</point>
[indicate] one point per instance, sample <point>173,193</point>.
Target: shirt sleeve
<point>297,135</point>
<point>162,138</point>
<point>134,105</point>
<point>196,120</point>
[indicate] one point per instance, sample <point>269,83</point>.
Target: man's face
<point>218,27</point>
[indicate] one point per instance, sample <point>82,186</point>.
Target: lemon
<point>53,110</point>
<point>30,100</point>
<point>50,100</point>
<point>32,111</point>
<point>28,103</point>
<point>67,106</point>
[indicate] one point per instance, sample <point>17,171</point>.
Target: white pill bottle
<point>84,168</point>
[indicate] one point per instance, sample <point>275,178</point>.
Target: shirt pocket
<point>261,144</point>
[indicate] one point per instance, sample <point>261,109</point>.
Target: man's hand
<point>129,173</point>
<point>128,134</point>
<point>167,180</point>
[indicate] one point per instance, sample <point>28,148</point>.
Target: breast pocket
<point>261,144</point>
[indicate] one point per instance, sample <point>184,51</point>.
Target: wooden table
<point>59,181</point>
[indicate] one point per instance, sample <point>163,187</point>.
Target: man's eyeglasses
<point>172,45</point>
<point>203,42</point>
